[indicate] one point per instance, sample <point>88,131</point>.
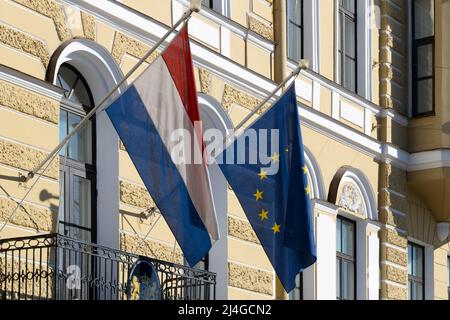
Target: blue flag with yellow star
<point>265,167</point>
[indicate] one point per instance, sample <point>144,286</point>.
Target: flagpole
<point>302,65</point>
<point>194,7</point>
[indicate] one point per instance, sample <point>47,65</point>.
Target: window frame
<point>344,13</point>
<point>416,279</point>
<point>416,43</point>
<point>302,30</point>
<point>343,257</point>
<point>71,167</point>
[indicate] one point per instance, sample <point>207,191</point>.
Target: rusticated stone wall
<point>393,212</point>
<point>242,230</point>
<point>25,158</point>
<point>126,45</point>
<point>22,100</point>
<point>251,279</point>
<point>23,42</point>
<point>28,216</point>
<point>150,248</point>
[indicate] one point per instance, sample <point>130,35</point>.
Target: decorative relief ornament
<point>351,199</point>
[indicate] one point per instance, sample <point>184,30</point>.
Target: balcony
<point>44,267</point>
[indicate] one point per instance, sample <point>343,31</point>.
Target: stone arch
<point>102,73</point>
<point>314,176</point>
<point>351,190</point>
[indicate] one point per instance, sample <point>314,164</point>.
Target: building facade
<point>374,106</point>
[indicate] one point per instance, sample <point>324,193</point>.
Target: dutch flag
<point>164,99</point>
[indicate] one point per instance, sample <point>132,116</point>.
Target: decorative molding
<point>242,230</point>
<point>232,96</point>
<point>350,199</point>
<point>23,42</point>
<point>205,80</point>
<point>25,158</point>
<point>28,216</point>
<point>150,248</point>
<point>52,10</point>
<point>250,279</point>
<point>30,103</point>
<point>89,27</point>
<point>126,45</point>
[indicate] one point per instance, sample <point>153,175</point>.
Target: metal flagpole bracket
<point>303,64</point>
<point>193,8</point>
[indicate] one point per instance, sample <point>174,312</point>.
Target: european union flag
<point>277,203</point>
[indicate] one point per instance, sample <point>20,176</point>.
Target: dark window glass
<point>345,259</point>
<point>208,3</point>
<point>295,29</point>
<point>416,283</point>
<point>347,58</point>
<point>77,159</point>
<point>423,57</point>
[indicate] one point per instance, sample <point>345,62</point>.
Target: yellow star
<point>258,195</point>
<point>276,228</point>
<point>276,157</point>
<point>264,215</point>
<point>305,170</point>
<point>308,190</point>
<point>263,174</point>
<point>286,150</point>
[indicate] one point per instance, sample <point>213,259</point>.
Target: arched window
<point>77,158</point>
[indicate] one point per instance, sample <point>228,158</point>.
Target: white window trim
<point>223,7</point>
<point>364,51</point>
<point>311,32</point>
<point>428,272</point>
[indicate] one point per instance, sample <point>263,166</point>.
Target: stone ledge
<point>151,249</point>
<point>250,279</point>
<point>24,101</point>
<point>241,230</point>
<point>28,216</point>
<point>25,158</point>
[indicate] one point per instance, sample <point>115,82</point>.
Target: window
<point>208,3</point>
<point>297,292</point>
<point>416,283</point>
<point>345,259</point>
<point>423,57</point>
<point>77,159</point>
<point>295,29</point>
<point>347,60</point>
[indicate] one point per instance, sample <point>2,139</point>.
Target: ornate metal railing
<point>57,267</point>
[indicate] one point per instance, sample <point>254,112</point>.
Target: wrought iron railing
<point>57,267</point>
